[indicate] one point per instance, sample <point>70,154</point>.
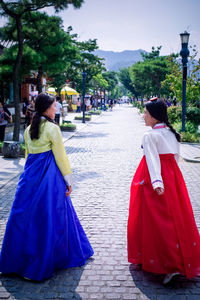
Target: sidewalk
<point>190,152</point>
<point>12,167</point>
<point>104,156</point>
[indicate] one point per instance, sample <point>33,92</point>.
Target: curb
<point>191,160</point>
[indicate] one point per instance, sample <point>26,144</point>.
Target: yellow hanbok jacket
<point>50,138</point>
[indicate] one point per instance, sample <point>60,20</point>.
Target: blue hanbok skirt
<point>43,232</point>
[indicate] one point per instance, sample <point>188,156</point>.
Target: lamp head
<point>184,51</point>
<point>184,37</point>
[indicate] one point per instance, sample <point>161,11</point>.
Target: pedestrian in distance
<point>30,111</point>
<point>78,103</point>
<point>162,234</point>
<point>59,110</point>
<point>5,117</point>
<point>43,232</point>
<point>25,105</point>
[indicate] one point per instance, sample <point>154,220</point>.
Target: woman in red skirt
<point>162,233</point>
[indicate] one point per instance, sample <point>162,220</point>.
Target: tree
<point>55,47</point>
<point>86,61</point>
<point>154,54</point>
<point>16,10</point>
<point>174,79</point>
<point>98,83</point>
<point>112,79</point>
<point>147,76</point>
<point>124,77</point>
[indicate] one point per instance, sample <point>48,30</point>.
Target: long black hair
<point>42,103</point>
<point>158,110</point>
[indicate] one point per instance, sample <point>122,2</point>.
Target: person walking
<point>43,232</point>
<point>5,116</point>
<point>30,113</point>
<point>59,110</point>
<point>78,103</point>
<point>25,105</point>
<point>162,233</point>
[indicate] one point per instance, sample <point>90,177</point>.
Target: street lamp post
<point>184,54</point>
<point>84,74</point>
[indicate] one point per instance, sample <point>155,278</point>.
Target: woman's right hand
<point>68,191</point>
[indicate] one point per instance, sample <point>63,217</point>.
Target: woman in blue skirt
<point>43,233</point>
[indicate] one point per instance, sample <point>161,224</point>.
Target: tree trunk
<point>39,79</point>
<point>2,90</point>
<point>16,80</point>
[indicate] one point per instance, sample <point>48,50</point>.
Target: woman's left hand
<point>11,119</point>
<point>68,191</point>
<point>159,191</point>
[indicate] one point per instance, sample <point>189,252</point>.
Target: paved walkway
<point>104,156</point>
<point>10,168</point>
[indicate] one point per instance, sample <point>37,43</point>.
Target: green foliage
<point>193,115</point>
<point>87,118</point>
<point>173,80</point>
<point>190,137</point>
<point>139,105</point>
<point>95,112</point>
<point>120,91</point>
<point>124,77</point>
<point>87,61</point>
<point>111,78</point>
<point>148,75</point>
<point>68,127</point>
<point>189,126</point>
<point>22,146</point>
<point>16,10</point>
<point>174,114</point>
<point>154,54</point>
<point>98,82</point>
<point>19,7</point>
<point>48,49</point>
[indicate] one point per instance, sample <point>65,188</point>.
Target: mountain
<point>116,60</point>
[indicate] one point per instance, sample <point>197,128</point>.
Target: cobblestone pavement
<point>104,157</point>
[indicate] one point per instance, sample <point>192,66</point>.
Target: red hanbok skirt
<point>162,233</point>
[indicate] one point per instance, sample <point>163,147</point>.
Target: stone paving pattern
<point>104,157</point>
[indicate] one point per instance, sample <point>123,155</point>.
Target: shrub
<point>65,121</point>
<point>193,114</point>
<point>68,127</point>
<point>189,127</point>
<point>139,105</point>
<point>87,118</point>
<point>95,112</point>
<point>174,113</point>
<point>134,104</point>
<point>190,137</point>
<point>22,146</point>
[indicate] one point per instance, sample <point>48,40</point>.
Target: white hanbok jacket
<point>159,140</point>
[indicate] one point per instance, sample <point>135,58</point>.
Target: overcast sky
<point>135,24</point>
